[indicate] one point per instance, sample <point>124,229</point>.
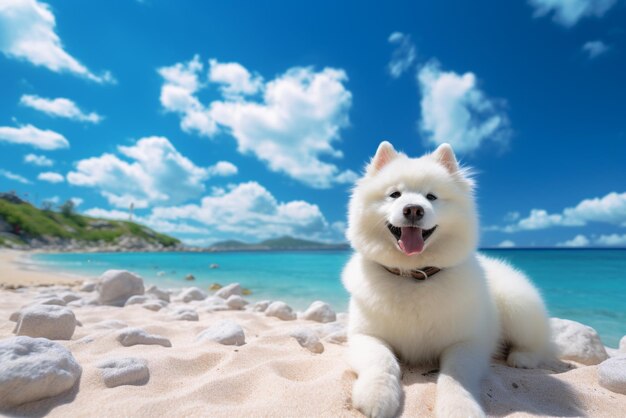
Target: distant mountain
<point>285,243</point>
<point>22,225</point>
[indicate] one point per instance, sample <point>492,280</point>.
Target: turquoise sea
<point>585,285</point>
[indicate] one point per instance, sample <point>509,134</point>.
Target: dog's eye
<point>395,195</point>
<point>431,197</point>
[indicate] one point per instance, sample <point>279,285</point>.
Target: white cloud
<point>15,177</point>
<point>456,111</point>
<point>613,240</point>
<point>77,201</point>
<point>33,136</point>
<point>28,33</point>
<point>248,211</point>
<point>59,107</point>
<point>50,177</point>
<point>569,12</point>
<point>223,169</point>
<point>595,48</point>
<point>115,214</point>
<point>156,174</point>
<point>507,243</point>
<point>512,216</point>
<point>291,127</point>
<point>159,225</point>
<point>38,160</point>
<point>578,241</point>
<point>607,209</point>
<point>235,79</point>
<point>403,56</point>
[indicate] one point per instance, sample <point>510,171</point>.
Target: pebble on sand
<point>320,311</point>
<point>136,300</point>
<point>236,302</point>
<point>280,310</point>
<point>89,286</point>
<point>190,277</point>
<point>154,305</point>
<point>69,296</point>
<point>116,286</point>
<point>134,336</point>
<point>184,314</point>
<point>227,291</point>
<point>124,371</point>
<point>47,321</point>
<point>261,305</point>
<point>577,342</point>
<point>192,293</point>
<point>51,301</point>
<point>225,332</point>
<point>33,369</point>
<point>110,324</point>
<point>308,339</point>
<point>612,374</point>
<point>158,293</point>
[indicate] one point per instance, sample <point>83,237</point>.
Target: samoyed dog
<point>420,293</point>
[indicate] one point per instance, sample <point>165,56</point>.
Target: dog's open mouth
<point>411,239</point>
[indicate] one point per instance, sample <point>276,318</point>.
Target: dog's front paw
<point>377,395</point>
<point>457,405</point>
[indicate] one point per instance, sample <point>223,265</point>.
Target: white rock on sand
<point>192,293</point>
<point>158,293</point>
<point>308,339</point>
<point>320,311</point>
<point>136,300</point>
<point>184,314</point>
<point>261,306</point>
<point>214,304</point>
<point>577,342</point>
<point>154,305</point>
<point>236,302</point>
<point>51,301</point>
<point>47,321</point>
<point>124,371</point>
<point>227,291</point>
<point>612,374</point>
<point>89,286</point>
<point>110,324</point>
<point>134,336</point>
<point>224,332</point>
<point>280,310</point>
<point>116,286</point>
<point>33,369</point>
<point>69,296</point>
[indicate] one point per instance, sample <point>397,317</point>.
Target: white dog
<point>420,293</point>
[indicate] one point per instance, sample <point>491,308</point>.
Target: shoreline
<point>15,272</point>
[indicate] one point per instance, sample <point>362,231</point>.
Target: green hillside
<point>21,223</point>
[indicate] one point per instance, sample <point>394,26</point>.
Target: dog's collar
<point>417,274</point>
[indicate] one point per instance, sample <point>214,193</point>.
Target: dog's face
<point>413,212</point>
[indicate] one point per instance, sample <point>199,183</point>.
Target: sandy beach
<point>270,375</point>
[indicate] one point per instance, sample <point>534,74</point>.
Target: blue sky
<point>246,120</point>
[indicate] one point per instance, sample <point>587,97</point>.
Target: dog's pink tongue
<point>411,241</point>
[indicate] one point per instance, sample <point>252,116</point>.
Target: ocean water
<point>584,285</point>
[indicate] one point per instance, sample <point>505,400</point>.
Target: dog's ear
<point>384,155</point>
<point>445,156</point>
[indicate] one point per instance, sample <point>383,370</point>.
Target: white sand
<point>270,375</point>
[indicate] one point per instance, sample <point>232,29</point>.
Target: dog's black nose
<point>413,212</point>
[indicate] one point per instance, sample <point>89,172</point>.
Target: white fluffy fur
<point>459,317</point>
